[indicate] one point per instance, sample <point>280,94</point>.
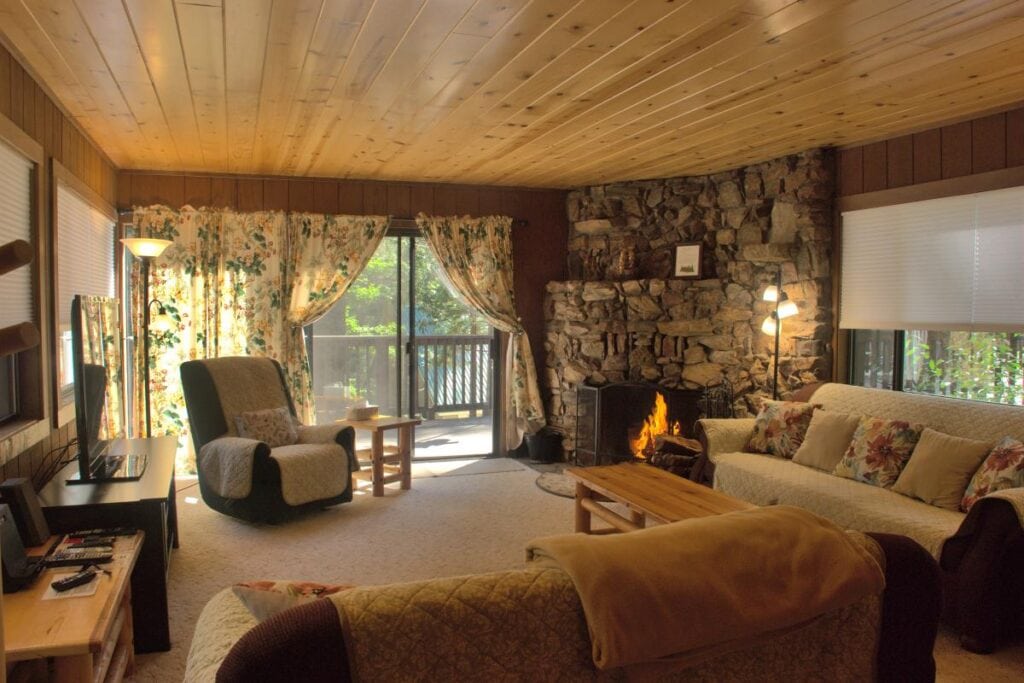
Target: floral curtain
<point>219,284</point>
<point>326,254</point>
<point>102,334</point>
<point>239,284</point>
<point>476,256</point>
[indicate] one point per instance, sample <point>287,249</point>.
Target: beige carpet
<point>445,525</point>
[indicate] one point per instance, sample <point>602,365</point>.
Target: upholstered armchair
<point>254,460</point>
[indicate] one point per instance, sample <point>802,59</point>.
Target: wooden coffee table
<point>647,492</point>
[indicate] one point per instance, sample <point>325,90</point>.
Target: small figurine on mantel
<point>624,267</point>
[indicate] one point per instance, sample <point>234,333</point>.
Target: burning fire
<point>644,444</point>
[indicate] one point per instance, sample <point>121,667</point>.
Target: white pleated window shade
<point>85,265</point>
<point>955,263</point>
<point>85,251</point>
<point>15,224</point>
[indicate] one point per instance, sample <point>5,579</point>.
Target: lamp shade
<point>787,309</point>
<point>771,293</point>
<point>769,325</point>
<point>146,247</point>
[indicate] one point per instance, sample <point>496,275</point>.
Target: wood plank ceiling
<point>548,93</point>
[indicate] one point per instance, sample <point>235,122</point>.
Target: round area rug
<point>558,484</point>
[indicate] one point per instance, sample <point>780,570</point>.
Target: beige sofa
<point>529,625</point>
<point>982,557</point>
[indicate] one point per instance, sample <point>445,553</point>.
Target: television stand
<point>146,504</point>
<point>108,468</point>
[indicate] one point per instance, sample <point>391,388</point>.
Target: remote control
<point>93,542</point>
<point>116,531</point>
<point>82,577</point>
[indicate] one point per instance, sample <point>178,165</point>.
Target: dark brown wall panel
<point>375,198</point>
<point>223,191</point>
<point>928,156</point>
<point>988,143</point>
<point>900,161</point>
<point>5,83</point>
<point>275,195</point>
<point>300,195</point>
<point>875,160</point>
<point>197,191</point>
<point>350,197</point>
<point>421,198</point>
<point>172,187</point>
<point>1015,137</point>
<point>250,194</point>
<point>325,196</point>
<point>851,171</point>
<point>399,200</point>
<point>956,150</point>
<point>17,88</point>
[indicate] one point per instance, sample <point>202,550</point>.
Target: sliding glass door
<point>399,340</point>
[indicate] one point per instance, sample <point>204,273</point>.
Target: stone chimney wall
<point>623,316</point>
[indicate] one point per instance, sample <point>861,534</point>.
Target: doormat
<point>461,467</point>
<point>558,484</point>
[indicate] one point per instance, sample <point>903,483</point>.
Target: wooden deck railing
<point>453,373</point>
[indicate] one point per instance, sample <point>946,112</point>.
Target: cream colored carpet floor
<point>446,525</point>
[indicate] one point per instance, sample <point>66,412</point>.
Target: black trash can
<point>544,446</point>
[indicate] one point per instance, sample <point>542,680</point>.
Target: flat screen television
<point>99,392</point>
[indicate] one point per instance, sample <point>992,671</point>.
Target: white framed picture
<point>688,260</point>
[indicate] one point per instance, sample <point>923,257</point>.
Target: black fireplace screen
<point>610,417</point>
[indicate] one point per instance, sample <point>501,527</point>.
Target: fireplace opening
<point>628,421</point>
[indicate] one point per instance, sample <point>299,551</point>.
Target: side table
<point>396,459</point>
<point>90,637</point>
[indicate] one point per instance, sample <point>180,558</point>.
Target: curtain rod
<point>398,222</point>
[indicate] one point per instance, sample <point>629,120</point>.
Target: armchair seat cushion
<point>312,471</point>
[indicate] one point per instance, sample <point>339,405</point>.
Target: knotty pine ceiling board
<point>543,93</point>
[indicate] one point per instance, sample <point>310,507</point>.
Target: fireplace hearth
<point>626,421</point>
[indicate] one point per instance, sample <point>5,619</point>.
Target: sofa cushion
<point>940,467</point>
<point>879,450</point>
<point>827,438</point>
<point>780,427</point>
<point>1002,469</point>
<point>766,480</point>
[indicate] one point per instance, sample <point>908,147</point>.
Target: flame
<point>643,444</point>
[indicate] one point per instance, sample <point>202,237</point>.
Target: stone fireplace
<point>623,318</point>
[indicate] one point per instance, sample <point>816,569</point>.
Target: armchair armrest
<point>724,435</point>
<point>986,559</point>
<point>337,432</point>
<point>226,464</point>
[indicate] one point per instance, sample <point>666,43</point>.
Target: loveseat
<point>530,624</point>
<point>981,554</point>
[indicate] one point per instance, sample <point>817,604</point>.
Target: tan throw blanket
<point>701,584</point>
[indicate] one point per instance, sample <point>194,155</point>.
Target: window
<point>932,292</point>
<point>85,265</point>
<point>16,300</point>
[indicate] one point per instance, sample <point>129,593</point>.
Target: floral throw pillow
<point>780,427</point>
<point>1003,468</point>
<point>274,426</point>
<point>879,450</point>
<point>266,598</point>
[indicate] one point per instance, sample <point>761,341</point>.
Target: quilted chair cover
<point>245,478</point>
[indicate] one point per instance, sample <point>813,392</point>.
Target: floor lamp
<point>146,249</point>
<point>784,308</point>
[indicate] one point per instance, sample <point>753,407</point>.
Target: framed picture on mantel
<point>688,260</point>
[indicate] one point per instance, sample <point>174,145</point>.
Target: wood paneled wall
<point>991,143</point>
<point>28,106</point>
<point>539,247</point>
